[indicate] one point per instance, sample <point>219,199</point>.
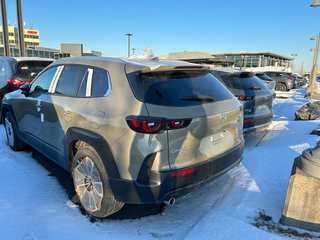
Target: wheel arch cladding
<point>74,135</point>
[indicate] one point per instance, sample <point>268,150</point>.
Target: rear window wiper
<point>198,98</point>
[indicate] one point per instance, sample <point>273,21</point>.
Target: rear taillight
<point>290,78</point>
<point>245,98</point>
<point>153,125</point>
<point>15,82</point>
<point>175,124</point>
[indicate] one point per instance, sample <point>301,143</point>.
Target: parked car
<point>284,80</point>
<point>255,96</point>
<point>129,131</point>
<point>15,72</point>
<point>299,81</point>
<point>268,81</point>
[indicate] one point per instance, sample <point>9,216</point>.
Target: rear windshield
<point>264,77</point>
<point>28,70</point>
<point>178,88</point>
<point>245,83</point>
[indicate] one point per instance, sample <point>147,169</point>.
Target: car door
<point>60,109</point>
<point>31,116</point>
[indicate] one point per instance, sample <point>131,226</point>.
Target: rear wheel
<point>91,183</point>
<point>15,143</point>
<point>281,87</point>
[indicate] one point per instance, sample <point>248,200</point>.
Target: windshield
<point>178,88</point>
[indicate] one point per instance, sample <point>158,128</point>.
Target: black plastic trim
<point>165,187</point>
<point>98,143</point>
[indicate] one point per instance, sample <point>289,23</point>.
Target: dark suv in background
<point>268,81</point>
<point>254,95</point>
<point>284,81</point>
<point>15,72</point>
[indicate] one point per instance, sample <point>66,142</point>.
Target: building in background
<point>242,60</point>
<point>33,49</point>
<point>31,37</point>
<point>76,50</point>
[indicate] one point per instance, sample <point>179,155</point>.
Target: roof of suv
<point>135,64</point>
<point>20,59</point>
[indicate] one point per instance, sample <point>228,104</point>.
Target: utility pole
<point>314,71</point>
<point>20,28</point>
<point>5,28</point>
<point>293,55</point>
<point>312,89</point>
<point>129,35</point>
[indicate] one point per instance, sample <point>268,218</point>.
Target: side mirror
<point>25,89</point>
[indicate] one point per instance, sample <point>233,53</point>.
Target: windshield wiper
<point>198,98</point>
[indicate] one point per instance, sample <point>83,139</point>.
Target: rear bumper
<point>167,186</point>
<point>256,123</point>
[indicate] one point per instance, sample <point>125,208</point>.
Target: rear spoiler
<point>162,66</point>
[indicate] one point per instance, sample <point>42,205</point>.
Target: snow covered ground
<point>34,205</point>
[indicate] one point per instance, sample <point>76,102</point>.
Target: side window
<point>100,83</point>
<point>70,80</point>
<point>83,87</point>
<point>3,72</point>
<point>42,83</point>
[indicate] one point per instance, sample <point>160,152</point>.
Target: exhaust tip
<point>170,202</point>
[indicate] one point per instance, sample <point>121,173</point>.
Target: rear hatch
<point>256,97</point>
<point>26,71</point>
<point>197,97</point>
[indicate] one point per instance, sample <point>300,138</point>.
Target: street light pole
<point>313,90</point>
<point>129,35</point>
<point>293,55</point>
<point>314,71</point>
<point>5,28</point>
<point>20,28</point>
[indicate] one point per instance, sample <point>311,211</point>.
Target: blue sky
<point>280,26</point>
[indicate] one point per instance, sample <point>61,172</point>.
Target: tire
<point>91,183</point>
<point>281,87</point>
<point>13,140</point>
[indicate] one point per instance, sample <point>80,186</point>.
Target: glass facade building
<point>257,59</point>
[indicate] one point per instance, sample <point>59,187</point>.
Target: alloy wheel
<point>88,184</point>
<point>9,132</point>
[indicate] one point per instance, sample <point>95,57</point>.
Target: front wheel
<point>15,143</point>
<point>91,183</point>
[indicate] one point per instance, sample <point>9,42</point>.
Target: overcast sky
<point>280,26</point>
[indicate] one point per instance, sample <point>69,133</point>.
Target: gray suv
<point>129,131</point>
<point>284,81</point>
